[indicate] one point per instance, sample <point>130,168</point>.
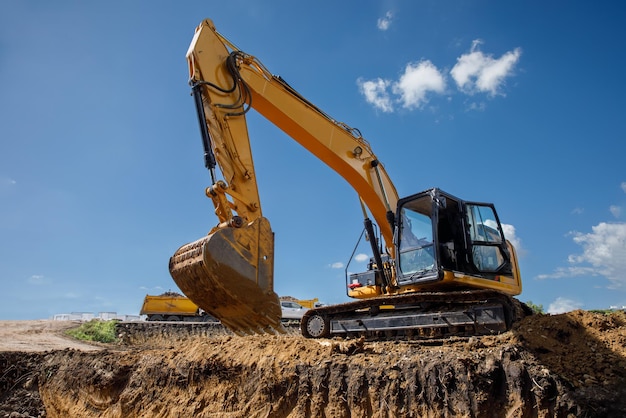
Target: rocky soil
<point>570,365</point>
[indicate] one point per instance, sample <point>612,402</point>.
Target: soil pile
<point>548,366</point>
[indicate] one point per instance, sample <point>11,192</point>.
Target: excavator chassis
<point>416,316</point>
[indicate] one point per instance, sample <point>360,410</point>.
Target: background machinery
<point>306,303</point>
<point>441,265</point>
<point>171,306</point>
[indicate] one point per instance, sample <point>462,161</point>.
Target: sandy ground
<point>39,335</point>
<point>567,365</point>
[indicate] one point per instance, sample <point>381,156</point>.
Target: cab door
<point>416,240</point>
<point>488,253</point>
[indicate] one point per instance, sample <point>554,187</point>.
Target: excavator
<point>440,266</point>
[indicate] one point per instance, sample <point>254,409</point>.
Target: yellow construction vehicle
<point>309,303</point>
<point>440,266</point>
<point>171,306</point>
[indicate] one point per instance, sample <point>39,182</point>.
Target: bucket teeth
<point>229,274</point>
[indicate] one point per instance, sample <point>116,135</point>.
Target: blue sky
<point>519,103</point>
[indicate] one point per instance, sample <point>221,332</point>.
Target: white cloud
<point>623,186</point>
<point>605,249</point>
<point>473,72</point>
<point>477,106</point>
<point>567,272</point>
<point>604,254</point>
<point>361,257</point>
<point>384,22</point>
<point>375,92</point>
<point>412,87</point>
<point>417,81</point>
<point>616,211</point>
<point>562,305</point>
<point>38,279</point>
<point>479,72</point>
<point>336,265</point>
<point>578,211</point>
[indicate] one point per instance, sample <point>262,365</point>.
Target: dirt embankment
<point>548,366</point>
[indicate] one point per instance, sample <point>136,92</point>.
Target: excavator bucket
<point>229,274</point>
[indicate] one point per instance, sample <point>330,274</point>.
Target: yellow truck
<point>172,306</point>
<point>306,303</point>
<point>309,303</point>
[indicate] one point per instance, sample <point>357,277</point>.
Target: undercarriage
<point>416,316</point>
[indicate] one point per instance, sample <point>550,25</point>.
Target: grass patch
<point>603,311</point>
<point>95,330</point>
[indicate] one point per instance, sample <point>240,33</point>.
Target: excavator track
<point>419,316</point>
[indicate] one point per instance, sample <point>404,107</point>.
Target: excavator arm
<point>229,273</point>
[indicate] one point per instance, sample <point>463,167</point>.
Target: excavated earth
<point>569,365</point>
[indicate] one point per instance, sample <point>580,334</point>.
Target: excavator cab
<point>445,239</point>
<point>442,241</point>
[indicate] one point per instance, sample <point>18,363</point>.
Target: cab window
<point>416,242</point>
<point>486,238</point>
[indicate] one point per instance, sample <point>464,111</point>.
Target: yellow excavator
<point>441,265</point>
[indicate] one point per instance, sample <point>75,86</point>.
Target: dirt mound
<point>566,365</point>
<point>583,348</point>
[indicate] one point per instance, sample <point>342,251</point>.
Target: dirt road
<point>39,336</point>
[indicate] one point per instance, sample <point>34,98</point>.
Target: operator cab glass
<point>486,237</point>
<point>417,251</point>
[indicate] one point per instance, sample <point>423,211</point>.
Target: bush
<point>602,311</point>
<point>95,330</point>
<point>538,309</point>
